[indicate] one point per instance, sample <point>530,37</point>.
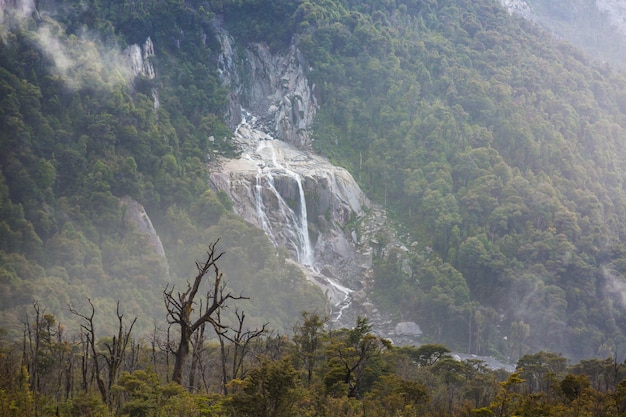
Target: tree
<point>507,398</point>
<point>268,391</point>
<point>397,396</point>
<point>180,307</point>
<point>241,346</point>
<point>540,370</point>
<point>351,354</point>
<point>307,338</point>
<point>116,351</point>
<point>429,354</point>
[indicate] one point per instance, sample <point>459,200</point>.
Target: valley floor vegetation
<point>202,366</point>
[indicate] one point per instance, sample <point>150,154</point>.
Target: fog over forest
<point>407,206</point>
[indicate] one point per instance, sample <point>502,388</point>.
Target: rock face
<point>312,208</point>
<point>135,216</point>
<point>136,219</point>
<point>139,59</point>
<point>304,203</point>
<point>273,87</point>
<point>519,7</point>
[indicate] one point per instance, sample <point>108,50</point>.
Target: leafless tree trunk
<point>90,336</point>
<point>31,356</point>
<point>241,345</point>
<point>116,351</point>
<point>197,343</point>
<point>180,307</point>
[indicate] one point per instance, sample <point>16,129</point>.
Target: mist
<point>81,60</point>
<point>615,285</point>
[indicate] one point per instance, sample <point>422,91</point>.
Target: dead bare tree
<point>181,306</point>
<point>90,347</point>
<point>241,346</point>
<point>197,362</point>
<point>116,351</point>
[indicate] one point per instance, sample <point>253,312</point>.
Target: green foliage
<point>354,360</point>
<point>393,384</point>
<point>266,392</point>
<point>396,395</point>
<point>259,21</point>
<point>497,150</point>
<point>78,135</point>
<point>429,354</point>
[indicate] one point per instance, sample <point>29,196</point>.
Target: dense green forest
<point>500,151</point>
<point>497,148</point>
<point>79,132</point>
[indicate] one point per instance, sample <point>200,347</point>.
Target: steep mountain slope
<point>104,192</point>
<point>596,26</point>
<point>500,150</point>
<point>497,148</point>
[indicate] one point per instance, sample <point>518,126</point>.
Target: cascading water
<point>285,224</point>
<point>295,225</point>
<point>299,226</point>
<point>260,209</point>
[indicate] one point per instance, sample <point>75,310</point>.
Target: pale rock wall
<point>139,59</point>
<point>616,11</point>
<point>135,216</point>
<point>273,135</point>
<point>518,7</point>
<point>272,86</point>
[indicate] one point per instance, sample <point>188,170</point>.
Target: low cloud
<point>81,60</point>
<point>615,285</point>
<point>14,13</point>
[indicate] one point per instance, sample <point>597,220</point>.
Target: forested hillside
<point>79,131</point>
<point>509,164</point>
<point>497,149</point>
<point>500,151</point>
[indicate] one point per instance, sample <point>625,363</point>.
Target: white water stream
<point>268,155</point>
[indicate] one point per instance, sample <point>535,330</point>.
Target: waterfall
<point>299,224</point>
<point>260,209</point>
<point>280,222</point>
<point>271,179</point>
<point>347,298</point>
<point>293,224</point>
<point>307,250</point>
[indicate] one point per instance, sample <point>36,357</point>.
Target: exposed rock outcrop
<point>274,87</point>
<point>265,186</point>
<point>136,217</point>
<point>518,7</point>
<point>139,59</point>
<point>304,203</point>
<point>616,12</point>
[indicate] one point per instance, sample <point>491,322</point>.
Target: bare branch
<point>180,308</point>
